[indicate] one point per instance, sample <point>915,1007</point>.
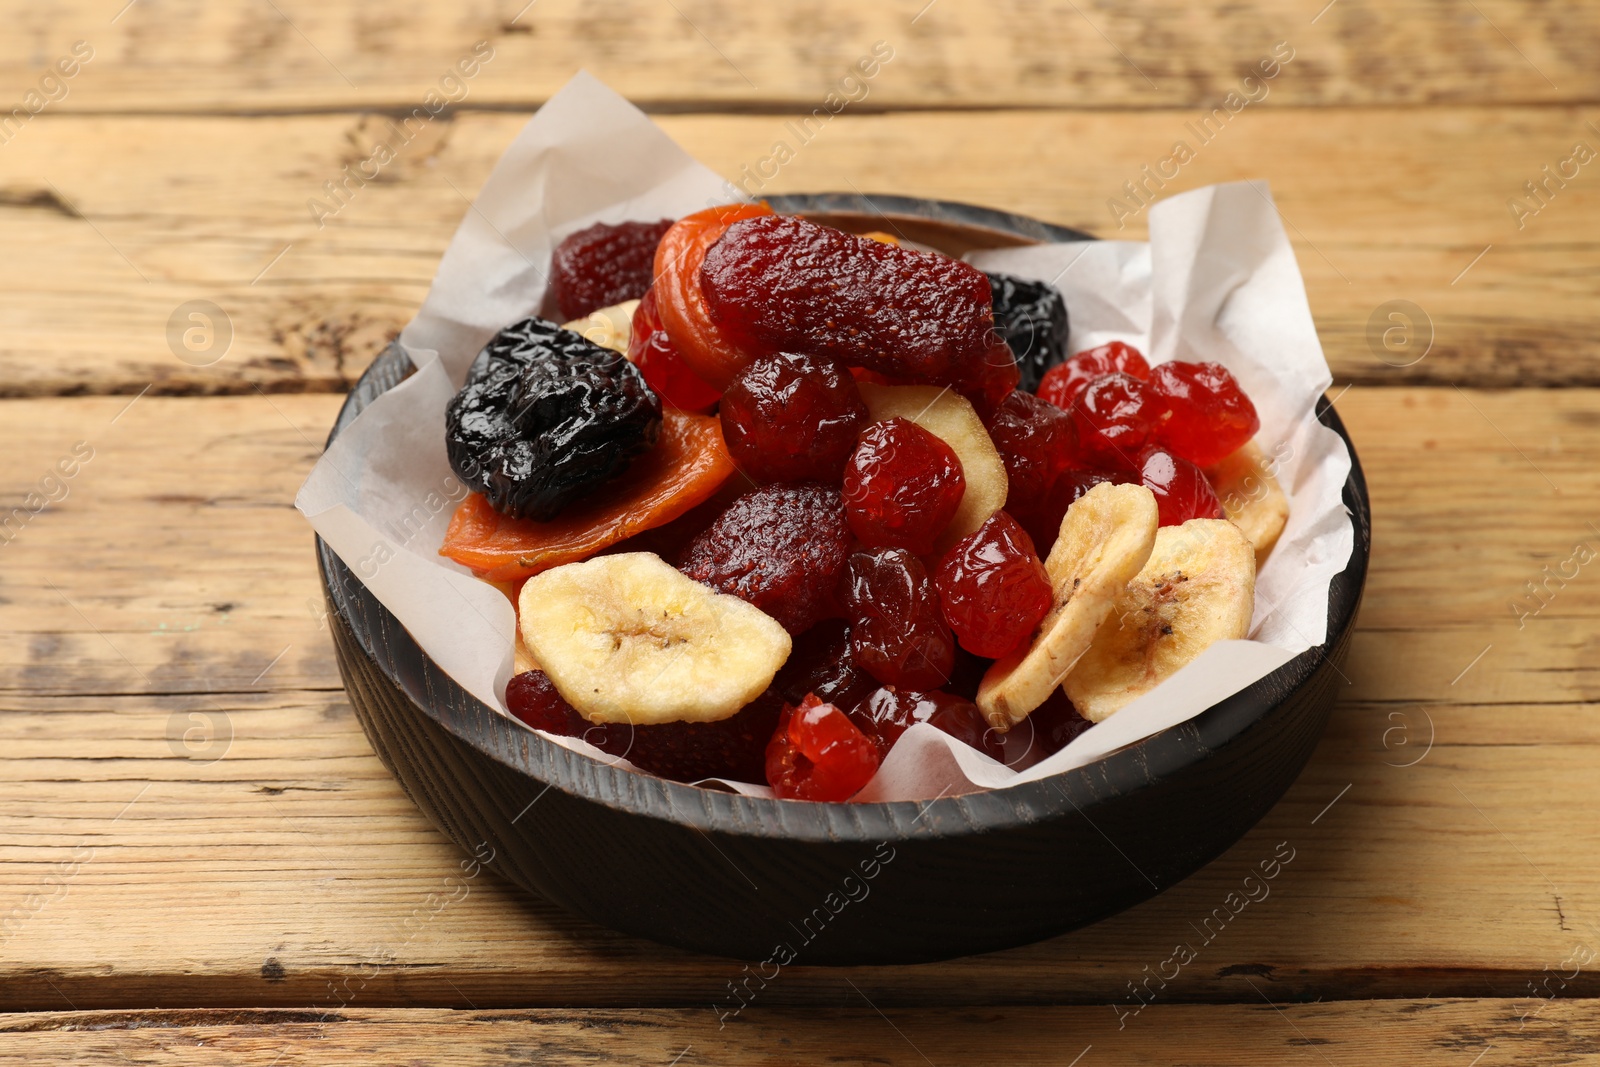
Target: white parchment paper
<point>1217,281</point>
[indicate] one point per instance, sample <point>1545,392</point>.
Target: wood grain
<point>216,209</point>
<point>292,54</point>
<point>1367,1032</point>
<point>168,592</point>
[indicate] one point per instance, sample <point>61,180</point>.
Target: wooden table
<point>201,860</point>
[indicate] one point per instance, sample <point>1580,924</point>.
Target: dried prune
<point>896,629</point>
<point>604,265</point>
<point>1032,317</point>
<point>780,547</point>
<point>792,418</point>
<point>545,416</point>
<point>777,283</point>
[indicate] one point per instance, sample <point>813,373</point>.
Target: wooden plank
<point>1368,1032</point>
<point>116,251</point>
<point>162,602</point>
<point>293,54</point>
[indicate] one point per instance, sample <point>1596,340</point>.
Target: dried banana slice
<point>949,416</point>
<point>1198,586</point>
<point>1251,497</point>
<point>1105,539</point>
<point>629,638</point>
<point>610,327</point>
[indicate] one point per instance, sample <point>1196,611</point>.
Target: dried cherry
<point>1037,445</point>
<point>779,283</point>
<point>896,630</point>
<point>1181,489</point>
<point>902,486</point>
<point>817,753</point>
<point>545,416</point>
<point>1032,318</point>
<point>821,662</point>
<point>792,418</point>
<point>1061,385</point>
<point>1211,416</point>
<point>1114,418</point>
<point>993,588</point>
<point>780,547</point>
<point>889,711</point>
<point>604,265</point>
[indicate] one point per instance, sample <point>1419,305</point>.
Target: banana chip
<point>629,638</point>
<point>1251,497</point>
<point>1105,538</point>
<point>1198,586</point>
<point>610,327</point>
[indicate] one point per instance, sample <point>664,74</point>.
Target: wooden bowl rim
<point>508,742</point>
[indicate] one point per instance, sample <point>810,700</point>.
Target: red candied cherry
<point>533,698</point>
<point>897,632</point>
<point>902,486</point>
<point>1211,417</point>
<point>1062,384</point>
<point>792,418</point>
<point>1181,489</point>
<point>992,587</point>
<point>888,712</point>
<point>817,753</point>
<point>1036,443</point>
<point>989,381</point>
<point>1114,419</point>
<point>1043,520</point>
<point>658,359</point>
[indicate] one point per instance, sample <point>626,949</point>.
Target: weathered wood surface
<point>166,55</point>
<point>216,209</point>
<point>1262,1033</point>
<point>168,600</point>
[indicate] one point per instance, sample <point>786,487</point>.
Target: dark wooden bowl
<point>836,883</point>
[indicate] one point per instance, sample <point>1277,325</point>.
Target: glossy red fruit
<point>662,365</point>
<point>1211,417</point>
<point>1181,489</point>
<point>897,632</point>
<point>604,265</point>
<point>988,382</point>
<point>1113,420</point>
<point>782,548</point>
<point>888,712</point>
<point>733,748</point>
<point>992,587</point>
<point>792,418</point>
<point>1036,443</point>
<point>779,283</point>
<point>1062,384</point>
<point>902,486</point>
<point>822,663</point>
<point>817,753</point>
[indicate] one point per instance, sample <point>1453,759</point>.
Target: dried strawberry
<point>896,630</point>
<point>1181,489</point>
<point>992,587</point>
<point>782,284</point>
<point>1211,417</point>
<point>781,547</point>
<point>792,418</point>
<point>1062,384</point>
<point>604,265</point>
<point>817,753</point>
<point>902,486</point>
<point>658,359</point>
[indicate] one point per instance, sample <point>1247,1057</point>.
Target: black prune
<point>545,416</point>
<point>1032,317</point>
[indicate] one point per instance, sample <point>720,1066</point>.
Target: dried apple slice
<point>685,468</point>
